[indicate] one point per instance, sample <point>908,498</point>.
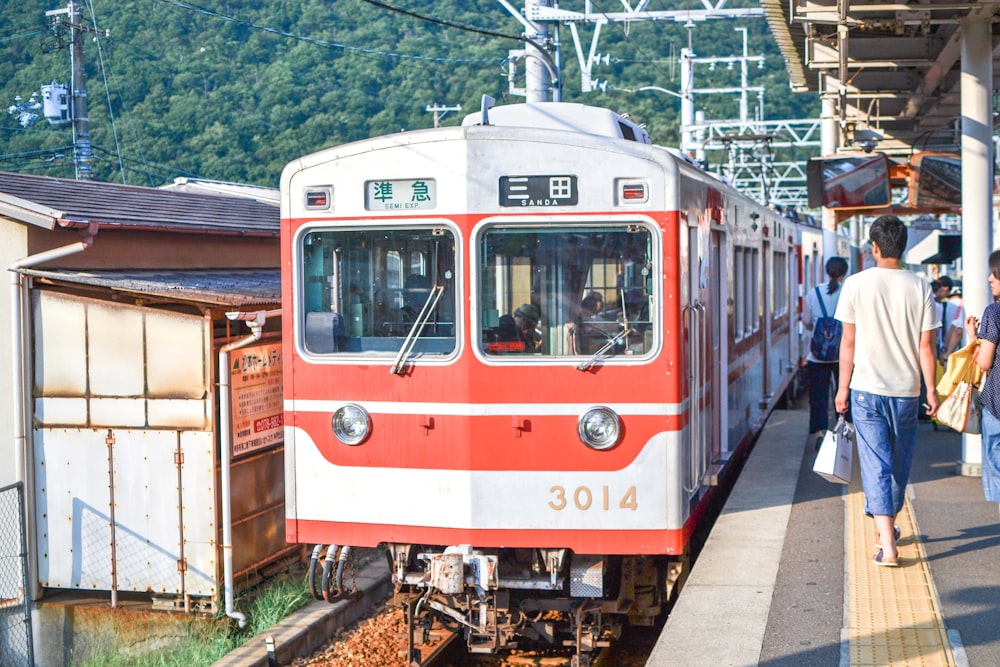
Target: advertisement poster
<point>255,383</point>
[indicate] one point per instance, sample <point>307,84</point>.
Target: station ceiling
<point>891,68</point>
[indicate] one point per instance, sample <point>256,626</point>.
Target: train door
<point>705,366</point>
<point>719,364</point>
<point>766,307</point>
<point>794,307</point>
<point>696,315</point>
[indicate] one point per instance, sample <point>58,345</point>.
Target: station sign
<point>401,195</point>
<point>545,191</point>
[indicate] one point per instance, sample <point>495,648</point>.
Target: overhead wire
<point>321,42</point>
<point>542,51</point>
<point>628,37</point>
<point>107,90</point>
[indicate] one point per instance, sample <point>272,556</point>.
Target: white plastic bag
<point>836,455</point>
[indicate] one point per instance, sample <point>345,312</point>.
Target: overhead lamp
<point>867,140</point>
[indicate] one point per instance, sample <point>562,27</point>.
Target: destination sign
<point>401,195</point>
<point>538,191</point>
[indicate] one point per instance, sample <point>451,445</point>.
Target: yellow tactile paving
<point>894,617</point>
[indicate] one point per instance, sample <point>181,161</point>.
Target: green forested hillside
<point>233,91</point>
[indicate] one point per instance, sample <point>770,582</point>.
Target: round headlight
<point>600,428</point>
<point>351,424</point>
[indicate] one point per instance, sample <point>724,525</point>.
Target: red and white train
<point>533,465</point>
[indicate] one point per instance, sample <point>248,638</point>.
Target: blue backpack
<point>825,344</point>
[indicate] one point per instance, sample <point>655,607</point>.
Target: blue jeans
<point>991,457</point>
<point>887,433</point>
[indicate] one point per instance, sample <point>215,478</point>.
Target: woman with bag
<point>823,360</point>
<point>988,332</point>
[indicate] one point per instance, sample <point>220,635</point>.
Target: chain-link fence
<point>15,611</point>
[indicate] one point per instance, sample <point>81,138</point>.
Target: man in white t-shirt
<point>890,335</point>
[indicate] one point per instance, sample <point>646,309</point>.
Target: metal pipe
<point>19,365</point>
<point>255,320</point>
<point>110,442</point>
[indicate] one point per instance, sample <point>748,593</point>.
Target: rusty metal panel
<point>79,545</point>
<point>107,365</point>
<point>61,411</point>
<point>258,508</point>
<point>118,412</point>
<point>257,482</point>
<point>170,338</point>
<point>258,539</point>
<point>115,350</point>
<point>198,495</point>
<point>60,345</point>
<point>178,413</point>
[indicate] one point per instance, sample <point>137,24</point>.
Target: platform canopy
<point>892,68</point>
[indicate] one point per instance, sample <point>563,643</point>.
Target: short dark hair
<point>995,264</point>
<point>592,302</point>
<point>889,233</point>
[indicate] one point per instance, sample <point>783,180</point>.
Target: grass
<point>202,641</point>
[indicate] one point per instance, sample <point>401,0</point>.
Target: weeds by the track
<point>205,640</point>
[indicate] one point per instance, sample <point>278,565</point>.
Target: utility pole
<point>439,112</point>
<point>83,156</point>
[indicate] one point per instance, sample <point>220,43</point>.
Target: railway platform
<point>785,579</point>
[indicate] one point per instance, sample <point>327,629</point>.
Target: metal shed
<point>140,439</point>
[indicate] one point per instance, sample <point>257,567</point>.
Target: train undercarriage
<point>529,599</point>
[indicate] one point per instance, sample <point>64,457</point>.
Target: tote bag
<point>961,366</point>
<point>836,454</point>
<point>961,410</point>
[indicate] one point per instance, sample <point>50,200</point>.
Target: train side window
<point>566,291</point>
<point>752,284</point>
<point>367,290</point>
<point>779,298</point>
<point>739,292</point>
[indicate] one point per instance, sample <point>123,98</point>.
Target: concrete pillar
<point>829,140</point>
<point>977,188</point>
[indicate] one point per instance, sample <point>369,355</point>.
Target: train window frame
<point>739,259</point>
<point>485,318</point>
<point>427,349</point>
<point>756,310</point>
<point>779,292</point>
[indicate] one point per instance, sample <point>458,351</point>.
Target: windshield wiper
<point>610,345</point>
<point>398,367</point>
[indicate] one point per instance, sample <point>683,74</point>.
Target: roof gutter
<point>19,363</point>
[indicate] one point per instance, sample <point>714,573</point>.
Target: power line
<point>322,42</point>
<point>21,36</point>
<point>446,24</point>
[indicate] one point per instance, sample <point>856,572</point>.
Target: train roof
<point>567,116</point>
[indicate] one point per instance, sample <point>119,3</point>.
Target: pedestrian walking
<point>889,342</point>
<point>987,330</point>
<point>823,359</point>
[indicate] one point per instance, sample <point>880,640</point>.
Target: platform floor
<point>786,580</point>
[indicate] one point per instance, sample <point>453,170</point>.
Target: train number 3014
<point>584,499</point>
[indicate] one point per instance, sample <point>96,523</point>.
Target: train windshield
<point>369,291</point>
<point>566,290</point>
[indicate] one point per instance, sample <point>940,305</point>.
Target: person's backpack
<point>825,344</point>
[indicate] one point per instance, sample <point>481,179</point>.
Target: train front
<point>487,378</point>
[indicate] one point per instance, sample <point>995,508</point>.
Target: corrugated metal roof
<point>136,207</point>
<point>791,41</point>
<point>224,188</point>
<point>236,289</point>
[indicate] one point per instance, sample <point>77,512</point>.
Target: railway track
<point>380,640</point>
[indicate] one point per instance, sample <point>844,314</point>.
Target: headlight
<point>351,424</point>
<point>600,428</point>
